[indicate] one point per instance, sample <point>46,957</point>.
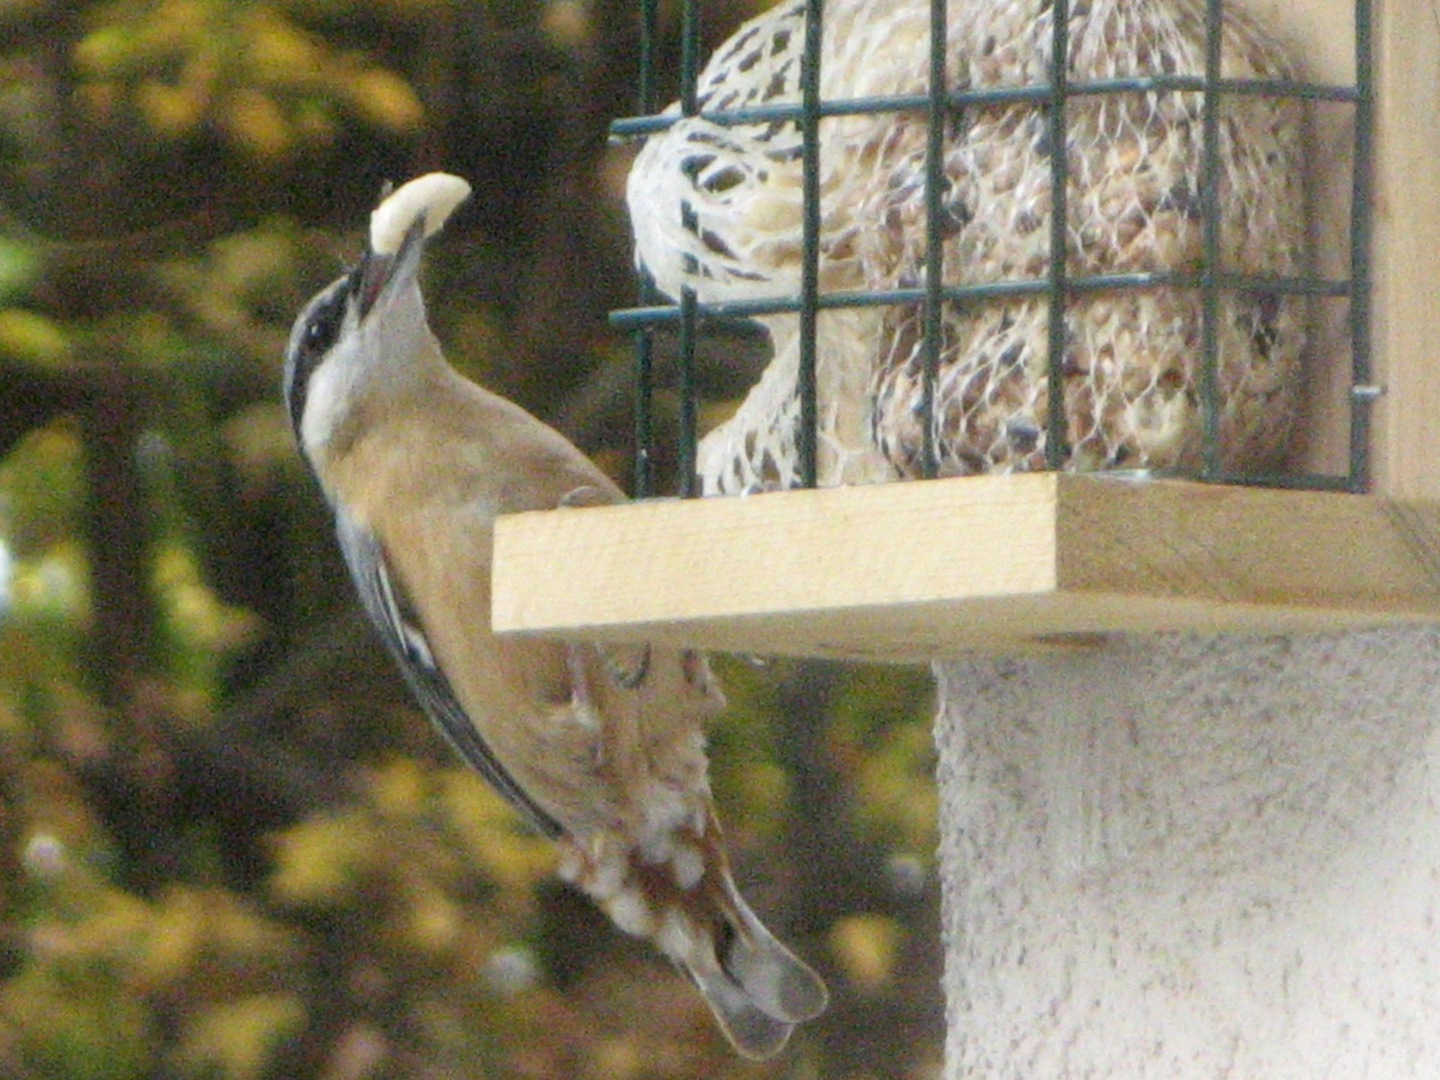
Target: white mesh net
<point>719,209</point>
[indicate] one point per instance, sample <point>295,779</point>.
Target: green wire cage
<point>1050,546</point>
<point>945,104</point>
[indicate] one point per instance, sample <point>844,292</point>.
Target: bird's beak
<point>381,276</point>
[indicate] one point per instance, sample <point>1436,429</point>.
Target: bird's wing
<point>627,664</point>
<point>390,611</point>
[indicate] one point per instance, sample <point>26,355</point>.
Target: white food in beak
<point>434,195</point>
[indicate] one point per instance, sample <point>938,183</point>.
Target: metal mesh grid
<point>1058,286</point>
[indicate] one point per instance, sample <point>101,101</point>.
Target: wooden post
<point>1407,249</point>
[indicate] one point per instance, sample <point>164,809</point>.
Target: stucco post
<point>1188,858</point>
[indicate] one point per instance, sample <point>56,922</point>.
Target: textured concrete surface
<point>1195,858</point>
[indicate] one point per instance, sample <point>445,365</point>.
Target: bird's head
<point>367,328</point>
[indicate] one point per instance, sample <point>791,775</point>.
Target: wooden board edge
<point>919,571</point>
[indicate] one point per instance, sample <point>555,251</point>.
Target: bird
<point>716,208</point>
<point>600,748</point>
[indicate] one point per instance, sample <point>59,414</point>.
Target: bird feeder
<point>1345,533</point>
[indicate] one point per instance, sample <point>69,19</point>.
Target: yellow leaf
<point>52,586</point>
<point>279,50</point>
<point>235,1039</point>
<point>174,939</point>
<point>169,109</point>
<point>317,859</point>
<point>257,123</point>
<point>385,99</point>
<point>240,933</point>
<point>105,51</point>
<point>399,788</point>
<point>79,1032</point>
<point>866,946</point>
<point>486,825</point>
<point>115,927</point>
<point>433,922</point>
<point>33,338</point>
<point>197,612</point>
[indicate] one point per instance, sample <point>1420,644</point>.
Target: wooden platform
<point>912,572</point>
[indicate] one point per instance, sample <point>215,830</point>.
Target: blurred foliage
<point>230,849</point>
<point>248,71</point>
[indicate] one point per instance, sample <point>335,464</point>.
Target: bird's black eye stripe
<point>315,333</point>
<point>324,327</point>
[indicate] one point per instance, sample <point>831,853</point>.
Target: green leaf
<point>32,338</point>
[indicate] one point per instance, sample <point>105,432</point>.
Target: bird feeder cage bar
<point>689,56</point>
<point>1057,284</point>
<point>688,424</point>
<point>637,126</point>
<point>1210,260</point>
<point>806,389</point>
<point>643,474</point>
<point>741,309</point>
<point>941,104</point>
<point>1363,390</point>
<point>938,122</point>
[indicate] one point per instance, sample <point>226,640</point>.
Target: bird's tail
<point>756,987</point>
<point>685,901</point>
